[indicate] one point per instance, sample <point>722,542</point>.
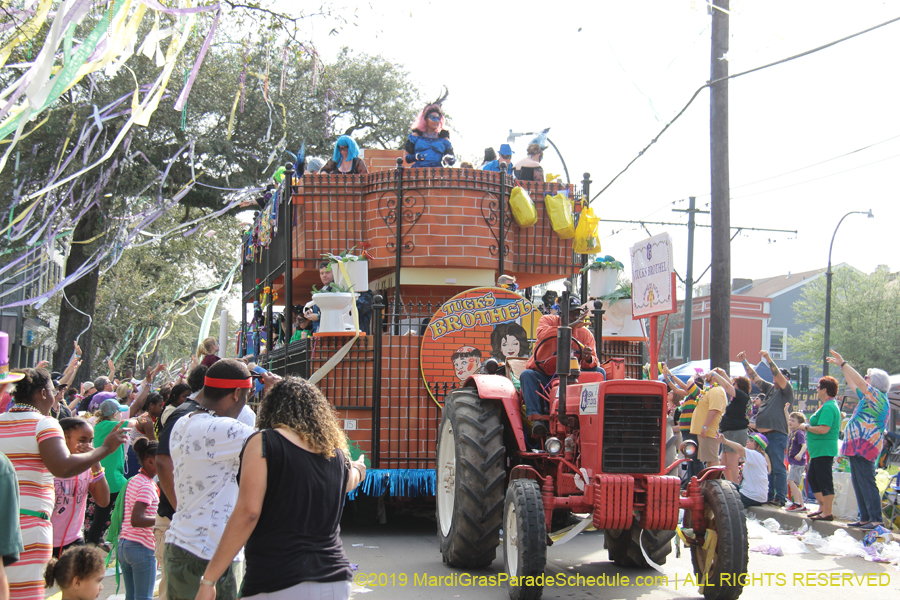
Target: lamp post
<point>828,275</point>
<point>512,138</point>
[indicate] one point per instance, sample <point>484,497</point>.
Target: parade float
<point>429,235</point>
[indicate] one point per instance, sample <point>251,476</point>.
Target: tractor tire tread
<point>532,532</point>
<point>480,477</point>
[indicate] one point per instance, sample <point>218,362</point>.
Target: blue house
<point>782,291</point>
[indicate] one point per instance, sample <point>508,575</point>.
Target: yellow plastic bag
<point>587,240</point>
<point>559,208</point>
<point>523,210</point>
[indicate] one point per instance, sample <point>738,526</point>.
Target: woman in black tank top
<point>293,477</point>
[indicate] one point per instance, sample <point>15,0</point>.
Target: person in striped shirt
<point>689,393</point>
<point>136,542</point>
<point>34,443</point>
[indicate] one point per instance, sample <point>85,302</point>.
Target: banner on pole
<point>652,277</point>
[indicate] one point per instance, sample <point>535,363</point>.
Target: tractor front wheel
<point>471,461</point>
<point>525,538</point>
<point>723,562</point>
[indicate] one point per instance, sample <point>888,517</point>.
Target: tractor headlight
<point>553,446</point>
<point>689,448</point>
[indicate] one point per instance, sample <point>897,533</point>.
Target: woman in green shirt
<point>113,465</point>
<point>822,444</point>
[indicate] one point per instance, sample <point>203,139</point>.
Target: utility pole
<point>720,287</point>
<point>689,279</point>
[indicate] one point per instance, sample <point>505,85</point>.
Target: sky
<point>606,76</point>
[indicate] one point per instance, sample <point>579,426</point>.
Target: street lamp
<point>512,138</point>
<point>828,274</point>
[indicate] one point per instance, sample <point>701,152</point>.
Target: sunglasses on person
<point>434,117</point>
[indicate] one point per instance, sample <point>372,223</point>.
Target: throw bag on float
<point>523,210</point>
<point>559,207</point>
<point>587,241</point>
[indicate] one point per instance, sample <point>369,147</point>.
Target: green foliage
<point>215,141</point>
<point>601,263</point>
<point>865,310</point>
<point>334,288</point>
<point>151,285</point>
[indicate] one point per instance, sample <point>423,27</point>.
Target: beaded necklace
<point>206,410</point>
<point>22,407</point>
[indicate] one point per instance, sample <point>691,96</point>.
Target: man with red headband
<point>203,449</point>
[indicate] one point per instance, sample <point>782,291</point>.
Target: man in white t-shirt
<point>755,473</point>
<point>205,450</point>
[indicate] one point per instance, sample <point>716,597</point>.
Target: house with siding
<point>781,291</point>
<point>762,318</point>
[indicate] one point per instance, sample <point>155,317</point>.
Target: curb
<point>793,521</point>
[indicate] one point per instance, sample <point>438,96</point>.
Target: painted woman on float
<point>428,144</point>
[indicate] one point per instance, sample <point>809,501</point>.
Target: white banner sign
<point>652,277</point>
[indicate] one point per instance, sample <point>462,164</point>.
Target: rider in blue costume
<point>505,156</point>
<point>428,145</point>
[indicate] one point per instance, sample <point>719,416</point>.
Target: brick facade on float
<point>332,213</point>
<point>335,213</point>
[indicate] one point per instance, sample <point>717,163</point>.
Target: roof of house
<point>770,287</point>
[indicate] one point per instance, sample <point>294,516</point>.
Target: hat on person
<point>5,375</point>
<point>761,440</point>
<point>786,373</point>
<point>505,150</point>
<point>110,407</point>
<point>88,385</point>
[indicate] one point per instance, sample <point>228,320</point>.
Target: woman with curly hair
<point>290,529</point>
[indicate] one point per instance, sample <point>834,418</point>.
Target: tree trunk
<point>83,295</point>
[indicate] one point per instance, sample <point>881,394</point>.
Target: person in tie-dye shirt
<point>864,436</point>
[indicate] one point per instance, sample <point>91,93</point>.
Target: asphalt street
<point>401,560</point>
<point>406,550</point>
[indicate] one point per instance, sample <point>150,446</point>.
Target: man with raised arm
<point>771,421</point>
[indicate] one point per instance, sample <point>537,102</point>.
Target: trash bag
<point>523,210</point>
<point>587,239</point>
<point>559,208</point>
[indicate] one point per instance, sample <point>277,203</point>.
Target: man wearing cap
<point>205,448</point>
<point>754,488</point>
<point>772,421</point>
<point>101,384</point>
<point>541,365</point>
<point>506,157</point>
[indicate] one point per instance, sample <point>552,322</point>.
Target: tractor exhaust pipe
<point>563,350</point>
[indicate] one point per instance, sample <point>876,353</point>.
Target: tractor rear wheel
<point>624,546</point>
<point>726,562</point>
<point>471,462</point>
<point>525,538</point>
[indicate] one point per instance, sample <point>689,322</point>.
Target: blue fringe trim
<point>408,483</point>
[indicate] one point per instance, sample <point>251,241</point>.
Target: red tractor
<point>606,455</point>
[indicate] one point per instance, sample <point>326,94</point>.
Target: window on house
<point>677,343</point>
<point>778,343</point>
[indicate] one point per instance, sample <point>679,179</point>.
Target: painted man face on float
<point>466,361</point>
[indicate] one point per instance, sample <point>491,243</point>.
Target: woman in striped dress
<point>34,443</point>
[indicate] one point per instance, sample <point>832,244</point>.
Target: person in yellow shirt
<point>705,420</point>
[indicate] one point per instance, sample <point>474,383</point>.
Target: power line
<point>709,83</point>
<point>821,162</point>
<point>784,187</point>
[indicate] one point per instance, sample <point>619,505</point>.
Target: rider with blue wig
<point>345,159</point>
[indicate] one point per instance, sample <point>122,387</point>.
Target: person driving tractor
<point>541,366</point>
